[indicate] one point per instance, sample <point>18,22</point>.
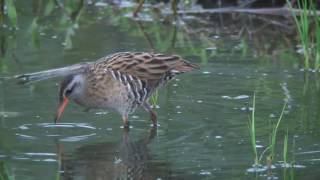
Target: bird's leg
<point>153,117</point>
<point>153,114</point>
<point>125,121</point>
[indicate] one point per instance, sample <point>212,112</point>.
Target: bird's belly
<point>95,102</point>
<point>118,101</point>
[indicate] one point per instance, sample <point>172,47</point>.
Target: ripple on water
<point>20,158</point>
<point>66,125</point>
<point>256,169</point>
<point>77,138</point>
<point>199,101</point>
<point>205,173</point>
<point>24,126</point>
<point>260,168</point>
<point>241,97</point>
<point>44,160</point>
<point>307,152</point>
<point>206,72</point>
<point>6,114</point>
<point>37,157</point>
<point>24,136</point>
<point>40,154</point>
<point>28,131</point>
<point>236,97</point>
<point>85,126</point>
<point>102,113</point>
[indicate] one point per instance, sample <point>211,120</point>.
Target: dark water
<point>203,115</point>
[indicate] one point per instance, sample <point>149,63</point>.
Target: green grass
<point>303,26</point>
<point>317,36</point>
<point>58,173</point>
<point>154,99</point>
<point>12,12</point>
<point>285,149</point>
<point>5,172</point>
<point>308,27</point>
<point>34,33</point>
<point>252,131</point>
<point>273,137</point>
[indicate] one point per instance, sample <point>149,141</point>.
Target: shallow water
<point>203,115</point>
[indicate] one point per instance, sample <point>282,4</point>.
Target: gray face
<point>69,86</point>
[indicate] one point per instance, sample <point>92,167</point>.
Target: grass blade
<point>12,12</point>
<point>252,132</point>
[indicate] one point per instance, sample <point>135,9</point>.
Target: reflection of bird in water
<point>121,81</point>
<point>104,161</point>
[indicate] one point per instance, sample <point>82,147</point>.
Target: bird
<point>121,81</point>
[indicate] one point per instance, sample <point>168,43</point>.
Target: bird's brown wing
<point>149,67</point>
<point>143,72</point>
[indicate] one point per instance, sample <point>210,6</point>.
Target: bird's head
<point>70,88</point>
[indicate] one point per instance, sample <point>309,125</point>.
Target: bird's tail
<point>51,73</point>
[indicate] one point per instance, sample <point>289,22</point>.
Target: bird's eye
<point>68,92</point>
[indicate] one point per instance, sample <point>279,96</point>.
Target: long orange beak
<point>61,108</point>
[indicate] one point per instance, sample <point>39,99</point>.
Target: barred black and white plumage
<point>121,81</point>
<point>137,88</point>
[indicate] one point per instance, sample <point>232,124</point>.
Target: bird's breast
<point>105,93</point>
